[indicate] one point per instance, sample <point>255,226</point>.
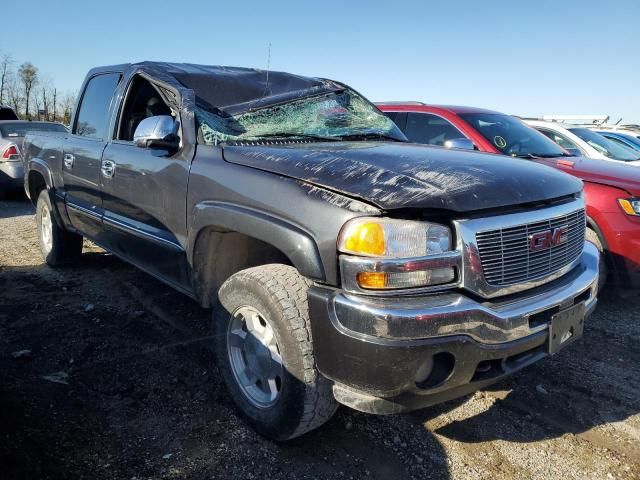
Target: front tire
<point>57,245</point>
<point>264,351</point>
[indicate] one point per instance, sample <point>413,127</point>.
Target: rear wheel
<point>264,351</point>
<point>592,236</point>
<point>57,245</point>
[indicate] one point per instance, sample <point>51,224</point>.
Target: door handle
<point>108,168</point>
<point>68,160</point>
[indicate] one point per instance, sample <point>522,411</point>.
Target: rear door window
<point>93,114</point>
<point>430,129</point>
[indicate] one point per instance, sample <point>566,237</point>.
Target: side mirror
<point>157,132</point>
<point>460,143</point>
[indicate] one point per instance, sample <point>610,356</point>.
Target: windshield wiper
<point>541,155</point>
<point>368,136</point>
<point>551,155</point>
<point>298,135</point>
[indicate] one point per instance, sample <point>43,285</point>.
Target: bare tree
<point>68,101</point>
<point>5,72</point>
<point>13,93</point>
<point>36,100</point>
<point>29,76</point>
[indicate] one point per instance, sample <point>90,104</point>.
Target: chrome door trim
<point>141,233</point>
<point>85,211</point>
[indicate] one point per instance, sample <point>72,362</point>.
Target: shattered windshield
<point>343,115</point>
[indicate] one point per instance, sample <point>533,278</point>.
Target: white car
<point>580,140</point>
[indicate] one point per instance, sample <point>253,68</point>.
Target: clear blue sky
<point>521,57</point>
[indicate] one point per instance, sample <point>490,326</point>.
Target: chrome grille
<point>507,259</point>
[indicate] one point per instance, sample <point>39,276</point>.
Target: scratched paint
<point>398,175</point>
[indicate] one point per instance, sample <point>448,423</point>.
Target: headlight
<point>630,206</point>
<point>390,238</point>
<point>397,254</point>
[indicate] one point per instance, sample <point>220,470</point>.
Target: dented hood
<point>402,175</point>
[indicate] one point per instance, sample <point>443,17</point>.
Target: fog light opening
<point>442,365</point>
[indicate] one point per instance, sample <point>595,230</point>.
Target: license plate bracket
<point>566,327</point>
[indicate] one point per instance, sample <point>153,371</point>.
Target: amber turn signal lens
<point>365,238</point>
<point>372,279</point>
<point>627,206</point>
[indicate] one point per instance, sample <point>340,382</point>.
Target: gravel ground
<point>107,373</point>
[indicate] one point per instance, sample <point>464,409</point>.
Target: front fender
<point>292,241</point>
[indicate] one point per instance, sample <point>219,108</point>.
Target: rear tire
<point>57,245</point>
<point>264,351</point>
<point>592,236</point>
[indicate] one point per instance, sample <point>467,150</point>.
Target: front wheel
<point>57,245</point>
<point>264,351</point>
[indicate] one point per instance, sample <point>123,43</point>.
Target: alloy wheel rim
<point>46,228</point>
<point>255,357</point>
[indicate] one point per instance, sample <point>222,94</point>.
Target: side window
<point>561,140</point>
<point>399,118</point>
<point>93,114</point>
<point>430,129</point>
<point>142,101</point>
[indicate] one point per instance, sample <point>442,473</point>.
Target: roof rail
<point>590,119</point>
<point>527,117</point>
<point>412,102</point>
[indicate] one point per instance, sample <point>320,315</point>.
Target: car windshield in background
<point>511,136</point>
<point>20,129</point>
<point>605,146</point>
<point>343,115</point>
<point>631,141</point>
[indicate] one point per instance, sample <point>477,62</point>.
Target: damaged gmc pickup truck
<point>342,263</point>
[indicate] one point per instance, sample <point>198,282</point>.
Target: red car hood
<point>616,174</point>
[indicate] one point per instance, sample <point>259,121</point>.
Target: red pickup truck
<point>612,188</point>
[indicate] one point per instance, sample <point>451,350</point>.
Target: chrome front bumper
<point>446,314</point>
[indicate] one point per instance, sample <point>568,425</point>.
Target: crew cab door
<point>144,191</point>
<point>82,154</point>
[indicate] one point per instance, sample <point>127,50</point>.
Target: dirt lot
<point>107,373</point>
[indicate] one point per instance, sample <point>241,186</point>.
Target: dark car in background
<point>612,188</point>
<point>7,113</point>
<point>12,133</point>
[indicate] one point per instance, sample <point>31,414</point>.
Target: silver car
<point>12,133</point>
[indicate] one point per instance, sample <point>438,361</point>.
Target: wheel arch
<point>38,177</point>
<point>593,225</point>
<point>226,238</point>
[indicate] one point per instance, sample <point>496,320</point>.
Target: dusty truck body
<point>341,262</point>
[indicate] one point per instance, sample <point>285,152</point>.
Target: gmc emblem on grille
<point>547,239</point>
